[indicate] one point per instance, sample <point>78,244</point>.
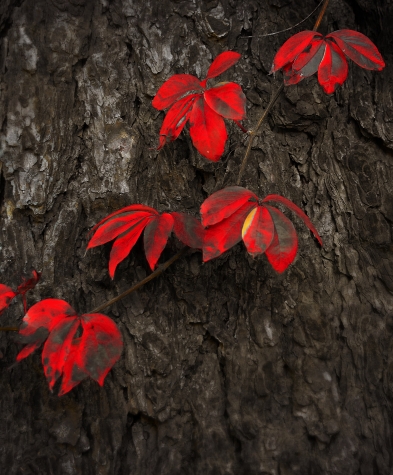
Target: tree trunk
<point>228,367</point>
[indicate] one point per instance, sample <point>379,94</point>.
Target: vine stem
<point>160,269</point>
<point>273,100</point>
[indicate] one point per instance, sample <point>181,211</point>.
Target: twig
<point>291,27</point>
<point>271,104</point>
<point>9,329</point>
<point>255,131</point>
<point>160,269</point>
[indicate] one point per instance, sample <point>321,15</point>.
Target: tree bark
<point>228,367</point>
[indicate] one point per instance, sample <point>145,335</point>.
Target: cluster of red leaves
<point>235,213</point>
<point>127,224</point>
<point>228,216</point>
<point>307,52</point>
<point>76,346</point>
<point>7,294</point>
<point>205,109</point>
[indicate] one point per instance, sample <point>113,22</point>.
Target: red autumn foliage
<point>127,224</point>
<point>7,294</point>
<point>235,213</point>
<point>76,347</point>
<point>204,108</point>
<point>307,52</point>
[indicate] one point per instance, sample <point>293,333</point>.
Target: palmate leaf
<point>309,52</point>
<point>224,203</point>
<point>174,89</point>
<point>283,248</point>
<point>258,230</point>
<point>207,130</point>
<point>221,63</point>
<point>176,119</point>
<point>227,100</point>
<point>359,48</point>
<point>236,213</point>
<point>126,225</point>
<point>204,109</point>
<point>76,347</point>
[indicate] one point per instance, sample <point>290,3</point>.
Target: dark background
<point>228,367</point>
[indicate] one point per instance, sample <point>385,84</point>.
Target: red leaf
<point>124,243</point>
<point>221,63</point>
<point>118,225</point>
<point>156,236</point>
<point>307,63</point>
<point>282,251</point>
<point>57,354</point>
<point>295,45</point>
<point>207,130</point>
<point>228,100</point>
<point>30,283</point>
<point>333,69</point>
<point>45,314</point>
<point>188,230</point>
<point>359,48</point>
<point>222,236</point>
<point>225,202</point>
<point>291,205</point>
<point>174,88</point>
<point>6,295</point>
<point>258,231</point>
<point>101,346</point>
<point>66,353</point>
<point>176,119</point>
<point>127,209</point>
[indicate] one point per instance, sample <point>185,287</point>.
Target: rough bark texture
<point>228,367</point>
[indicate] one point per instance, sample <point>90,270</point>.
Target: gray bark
<point>228,367</point>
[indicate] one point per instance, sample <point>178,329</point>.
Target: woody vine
<point>79,346</point>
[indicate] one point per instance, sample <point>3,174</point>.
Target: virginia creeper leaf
<point>222,236</point>
<point>125,242</point>
<point>228,100</point>
<point>156,236</point>
<point>125,211</point>
<point>221,63</point>
<point>188,230</point>
<point>204,109</point>
<point>359,48</point>
<point>302,215</point>
<point>223,203</point>
<point>295,45</point>
<point>113,228</point>
<point>258,231</point>
<point>45,314</point>
<point>77,346</point>
<point>174,88</point>
<point>333,70</point>
<point>282,251</point>
<point>207,130</point>
<point>308,52</point>
<point>176,119</point>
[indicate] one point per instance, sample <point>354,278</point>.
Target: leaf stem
<point>320,16</point>
<point>243,129</point>
<point>273,100</point>
<point>160,269</point>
